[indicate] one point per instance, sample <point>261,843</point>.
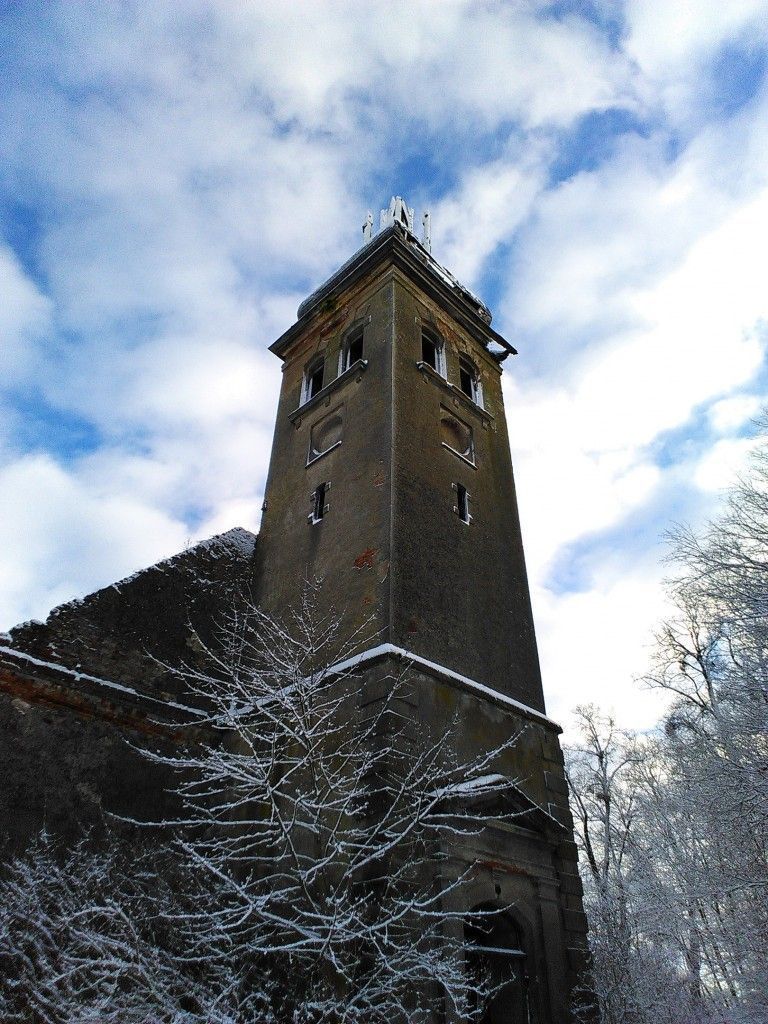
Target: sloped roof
<point>127,632</point>
<point>399,245</point>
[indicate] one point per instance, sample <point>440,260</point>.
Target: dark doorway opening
<point>497,965</point>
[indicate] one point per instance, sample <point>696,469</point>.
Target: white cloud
<point>598,243</point>
<point>465,61</point>
<point>245,512</point>
<point>645,278</point>
<point>62,539</point>
<point>25,315</point>
<point>731,413</point>
<point>575,476</point>
<point>197,171</point>
<point>174,382</point>
<point>487,208</point>
<point>718,468</point>
<point>597,643</point>
<point>665,37</point>
<point>674,44</point>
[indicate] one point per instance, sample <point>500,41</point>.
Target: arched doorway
<point>497,962</point>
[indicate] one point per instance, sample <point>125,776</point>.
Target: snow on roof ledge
<point>382,650</point>
<point>237,543</point>
<point>398,230</point>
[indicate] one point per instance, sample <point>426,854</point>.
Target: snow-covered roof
<point>400,243</point>
<point>426,258</point>
<point>236,543</point>
<point>127,632</point>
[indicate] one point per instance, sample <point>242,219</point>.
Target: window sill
<point>321,455</point>
<point>458,455</point>
<point>357,367</point>
<point>431,374</point>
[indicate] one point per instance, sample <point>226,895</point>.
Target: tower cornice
<point>397,245</point>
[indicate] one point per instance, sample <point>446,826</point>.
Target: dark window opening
<point>354,350</point>
<point>319,507</point>
<point>462,503</point>
<point>314,380</point>
<point>466,378</point>
<point>430,351</point>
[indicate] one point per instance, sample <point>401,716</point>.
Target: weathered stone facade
<point>395,553</point>
<point>391,480</point>
<point>74,688</point>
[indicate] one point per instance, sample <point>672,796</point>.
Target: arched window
<point>352,349</point>
<point>432,350</point>
<point>313,379</point>
<point>497,965</point>
<point>469,381</point>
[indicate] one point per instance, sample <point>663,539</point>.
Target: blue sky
<point>174,178</point>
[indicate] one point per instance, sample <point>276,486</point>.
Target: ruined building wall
<point>79,691</point>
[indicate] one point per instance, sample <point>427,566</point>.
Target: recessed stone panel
<point>326,433</point>
<point>456,435</point>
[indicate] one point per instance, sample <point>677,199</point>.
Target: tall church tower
<point>391,480</point>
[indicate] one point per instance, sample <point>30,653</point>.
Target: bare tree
<point>674,826</point>
<point>646,953</point>
<point>322,821</point>
<point>603,810</point>
<point>307,879</point>
<point>714,759</point>
<point>81,943</point>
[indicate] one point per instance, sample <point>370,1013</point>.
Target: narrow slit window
<point>319,503</point>
<point>462,504</point>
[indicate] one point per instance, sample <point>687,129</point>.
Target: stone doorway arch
<point>497,959</point>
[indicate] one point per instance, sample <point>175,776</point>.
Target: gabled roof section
<point>397,244</point>
<point>125,633</point>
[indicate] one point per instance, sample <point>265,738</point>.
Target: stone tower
<point>391,480</point>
